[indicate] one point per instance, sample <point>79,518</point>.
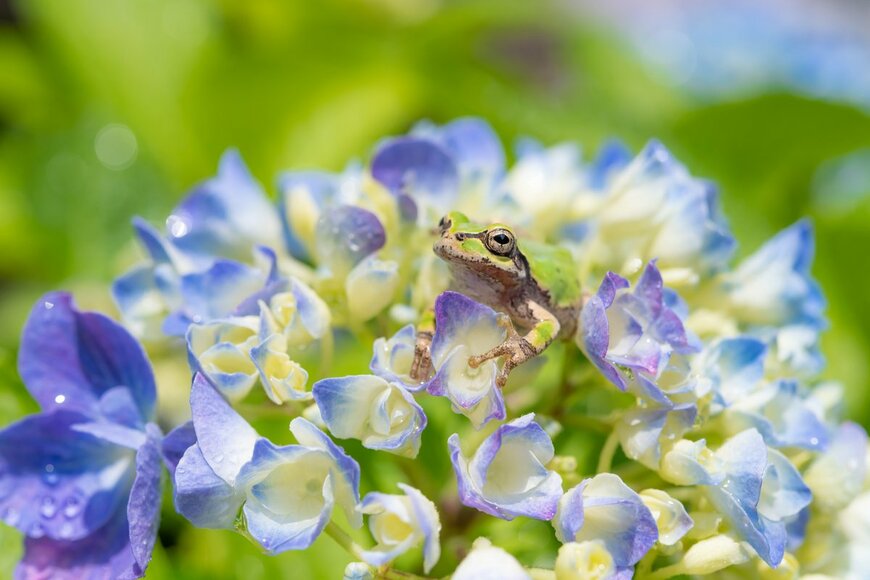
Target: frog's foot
<point>421,368</point>
<point>515,350</point>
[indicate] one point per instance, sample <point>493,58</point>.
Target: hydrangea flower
<point>507,475</point>
<point>286,494</point>
<point>465,328</point>
<point>671,518</point>
<point>588,560</point>
<point>399,523</point>
<point>488,562</point>
<point>756,488</point>
<point>200,263</point>
<point>634,331</point>
<point>654,209</point>
<point>394,357</point>
<point>604,508</point>
<point>381,414</point>
<point>82,478</point>
<point>268,293</point>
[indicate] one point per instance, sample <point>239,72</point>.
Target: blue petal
<point>783,417</point>
<point>734,366</point>
<point>418,168</point>
<point>70,358</point>
<point>472,143</point>
<point>615,514</point>
<point>346,476</point>
<point>519,449</point>
<point>320,188</point>
<point>143,507</point>
<point>201,496</point>
<point>218,291</point>
<point>612,156</point>
<point>59,482</point>
<point>225,438</point>
<point>774,287</point>
<point>345,235</point>
<point>457,318</point>
<point>280,516</point>
<point>176,443</point>
<point>225,216</point>
<point>392,359</point>
<point>103,554</point>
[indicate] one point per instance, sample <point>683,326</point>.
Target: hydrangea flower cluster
<point>680,429</point>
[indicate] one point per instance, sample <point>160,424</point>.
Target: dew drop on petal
<point>48,507</point>
<point>49,305</point>
<point>72,506</point>
<point>36,531</point>
<point>10,516</point>
<point>60,399</point>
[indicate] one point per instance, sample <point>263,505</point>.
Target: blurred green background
<point>110,109</point>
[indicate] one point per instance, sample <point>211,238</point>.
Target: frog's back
<point>555,270</point>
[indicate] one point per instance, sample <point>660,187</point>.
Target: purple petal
<point>70,358</point>
<point>58,482</point>
<point>418,168</point>
<point>346,235</point>
<point>226,439</point>
<point>102,555</point>
<point>176,443</point>
<point>143,507</point>
<point>206,500</point>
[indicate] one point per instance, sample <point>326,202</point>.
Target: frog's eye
<point>500,242</point>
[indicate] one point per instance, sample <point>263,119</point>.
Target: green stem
<point>391,574</point>
<point>343,539</point>
<point>605,460</point>
<point>666,572</point>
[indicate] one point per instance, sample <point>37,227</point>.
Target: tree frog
<point>535,285</point>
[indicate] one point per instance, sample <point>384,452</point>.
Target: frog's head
<point>490,251</point>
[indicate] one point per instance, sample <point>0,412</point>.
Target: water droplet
<point>50,477</point>
<point>218,458</point>
<point>49,305</point>
<point>36,530</point>
<point>72,506</point>
<point>48,507</point>
<point>814,440</point>
<point>66,531</point>
<point>177,226</point>
<point>11,516</point>
<point>60,399</point>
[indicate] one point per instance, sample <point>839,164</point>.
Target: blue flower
<point>604,508</point>
<point>381,414</point>
<point>471,142</point>
<point>756,488</point>
<point>421,175</point>
<point>286,494</point>
<point>636,331</point>
<point>672,520</point>
<point>643,429</point>
<point>465,328</point>
<point>837,476</point>
<point>782,414</point>
<point>653,208</point>
<point>773,295</point>
<point>394,357</point>
<point>400,522</point>
<point>226,216</point>
<point>507,476</point>
<point>82,478</point>
<point>730,369</point>
<point>305,196</point>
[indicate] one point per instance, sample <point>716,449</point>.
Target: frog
<point>533,285</point>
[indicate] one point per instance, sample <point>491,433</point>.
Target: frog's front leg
<point>421,368</point>
<point>518,349</point>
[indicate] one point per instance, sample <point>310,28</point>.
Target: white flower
<point>400,522</point>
